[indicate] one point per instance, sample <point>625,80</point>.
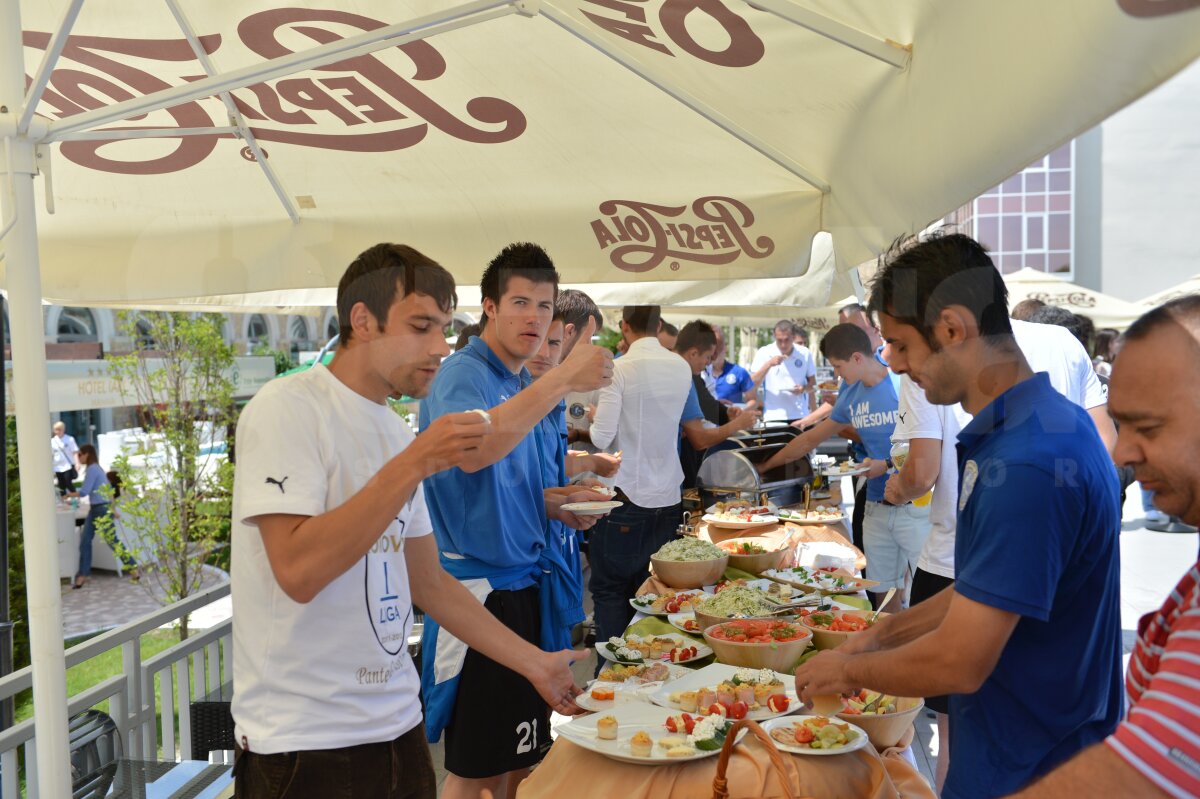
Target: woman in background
<point>95,481</point>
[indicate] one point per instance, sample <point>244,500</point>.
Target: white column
<point>32,403</point>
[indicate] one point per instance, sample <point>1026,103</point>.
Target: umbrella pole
<point>32,404</point>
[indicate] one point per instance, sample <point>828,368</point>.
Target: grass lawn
<point>99,669</point>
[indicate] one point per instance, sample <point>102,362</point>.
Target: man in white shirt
<point>788,374</point>
<point>332,548</point>
<point>639,414</point>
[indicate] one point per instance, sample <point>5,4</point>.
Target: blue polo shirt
<point>732,382</point>
<point>872,411</point>
<point>1038,523</point>
<point>495,517</point>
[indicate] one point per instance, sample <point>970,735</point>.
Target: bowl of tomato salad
<point>758,643</point>
<point>832,627</point>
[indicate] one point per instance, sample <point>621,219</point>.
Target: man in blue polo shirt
<point>1028,640</point>
<point>491,521</point>
<point>732,384</point>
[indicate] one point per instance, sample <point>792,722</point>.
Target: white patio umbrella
<point>669,139</point>
<point>1102,309</point>
<point>1189,286</point>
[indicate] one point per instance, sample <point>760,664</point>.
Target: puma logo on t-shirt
<point>278,483</point>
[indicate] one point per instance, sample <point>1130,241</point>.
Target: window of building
<point>1029,219</point>
<point>76,324</point>
<point>331,327</point>
<point>145,335</point>
<point>257,331</point>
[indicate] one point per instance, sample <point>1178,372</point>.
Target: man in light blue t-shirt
<point>893,535</point>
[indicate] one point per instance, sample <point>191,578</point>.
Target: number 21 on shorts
<point>528,733</point>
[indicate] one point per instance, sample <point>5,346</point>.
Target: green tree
<point>176,491</point>
<point>18,612</point>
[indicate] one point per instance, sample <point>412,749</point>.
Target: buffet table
<point>570,770</point>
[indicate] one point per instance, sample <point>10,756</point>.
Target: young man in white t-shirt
<point>332,548</point>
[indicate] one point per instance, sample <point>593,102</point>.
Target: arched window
<point>145,335</point>
<point>298,333</point>
<point>257,331</point>
<point>331,327</point>
<point>76,324</point>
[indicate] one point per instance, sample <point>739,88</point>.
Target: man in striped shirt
<point>1155,396</point>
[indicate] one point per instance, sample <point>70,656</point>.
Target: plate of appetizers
<point>845,469</point>
<point>820,580</point>
<point>737,692</point>
<point>668,603</point>
<point>603,695</point>
<point>647,734</point>
<point>670,648</point>
<point>685,622</point>
<point>815,735</point>
<point>821,514</point>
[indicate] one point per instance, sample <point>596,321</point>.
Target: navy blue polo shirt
<point>732,382</point>
<point>1037,534</point>
<point>496,516</point>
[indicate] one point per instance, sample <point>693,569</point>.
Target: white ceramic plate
<point>592,508</point>
<point>676,620</point>
<point>703,650</point>
<point>858,743</point>
<point>766,521</point>
<point>631,718</point>
<point>841,517</point>
<point>626,692</point>
<point>649,611</point>
<point>709,677</point>
<point>857,470</point>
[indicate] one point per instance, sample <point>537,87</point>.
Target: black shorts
<point>500,723</point>
<point>925,586</point>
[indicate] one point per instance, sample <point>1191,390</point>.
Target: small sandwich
<point>640,743</point>
<point>603,694</point>
<point>606,729</point>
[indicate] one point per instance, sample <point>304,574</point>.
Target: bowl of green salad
<point>734,602</point>
<point>689,563</point>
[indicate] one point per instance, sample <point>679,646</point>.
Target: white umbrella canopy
<point>673,140</point>
<point>1187,287</point>
<point>1102,309</point>
<point>694,140</point>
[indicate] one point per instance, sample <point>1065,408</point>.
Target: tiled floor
<point>109,601</point>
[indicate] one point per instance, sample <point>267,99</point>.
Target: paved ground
<point>1151,564</point>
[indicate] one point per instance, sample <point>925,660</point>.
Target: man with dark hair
<point>491,516</point>
<point>696,344</point>
<point>1154,751</point>
<point>1054,315</point>
<point>464,336</point>
<point>732,383</point>
<point>576,309</point>
<point>1025,309</point>
<point>1037,487</point>
<point>667,334</point>
<point>787,373</point>
<point>331,550</point>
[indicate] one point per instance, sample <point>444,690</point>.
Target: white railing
<point>188,670</point>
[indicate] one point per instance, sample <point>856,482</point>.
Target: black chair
<point>95,748</point>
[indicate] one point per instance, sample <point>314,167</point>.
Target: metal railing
<point>187,671</point>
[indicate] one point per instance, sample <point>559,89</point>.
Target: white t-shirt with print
<point>334,672</point>
<point>919,418</point>
<point>779,402</point>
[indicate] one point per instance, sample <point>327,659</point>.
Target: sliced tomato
<point>689,723</point>
<point>804,735</point>
<point>717,709</point>
<point>671,724</point>
<point>738,710</point>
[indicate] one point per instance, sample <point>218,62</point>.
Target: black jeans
<point>619,554</point>
<point>399,769</point>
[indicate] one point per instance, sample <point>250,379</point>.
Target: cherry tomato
<point>778,703</point>
<point>689,723</point>
<point>717,709</point>
<point>671,725</point>
<point>738,710</point>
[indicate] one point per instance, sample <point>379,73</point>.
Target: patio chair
<point>95,745</point>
